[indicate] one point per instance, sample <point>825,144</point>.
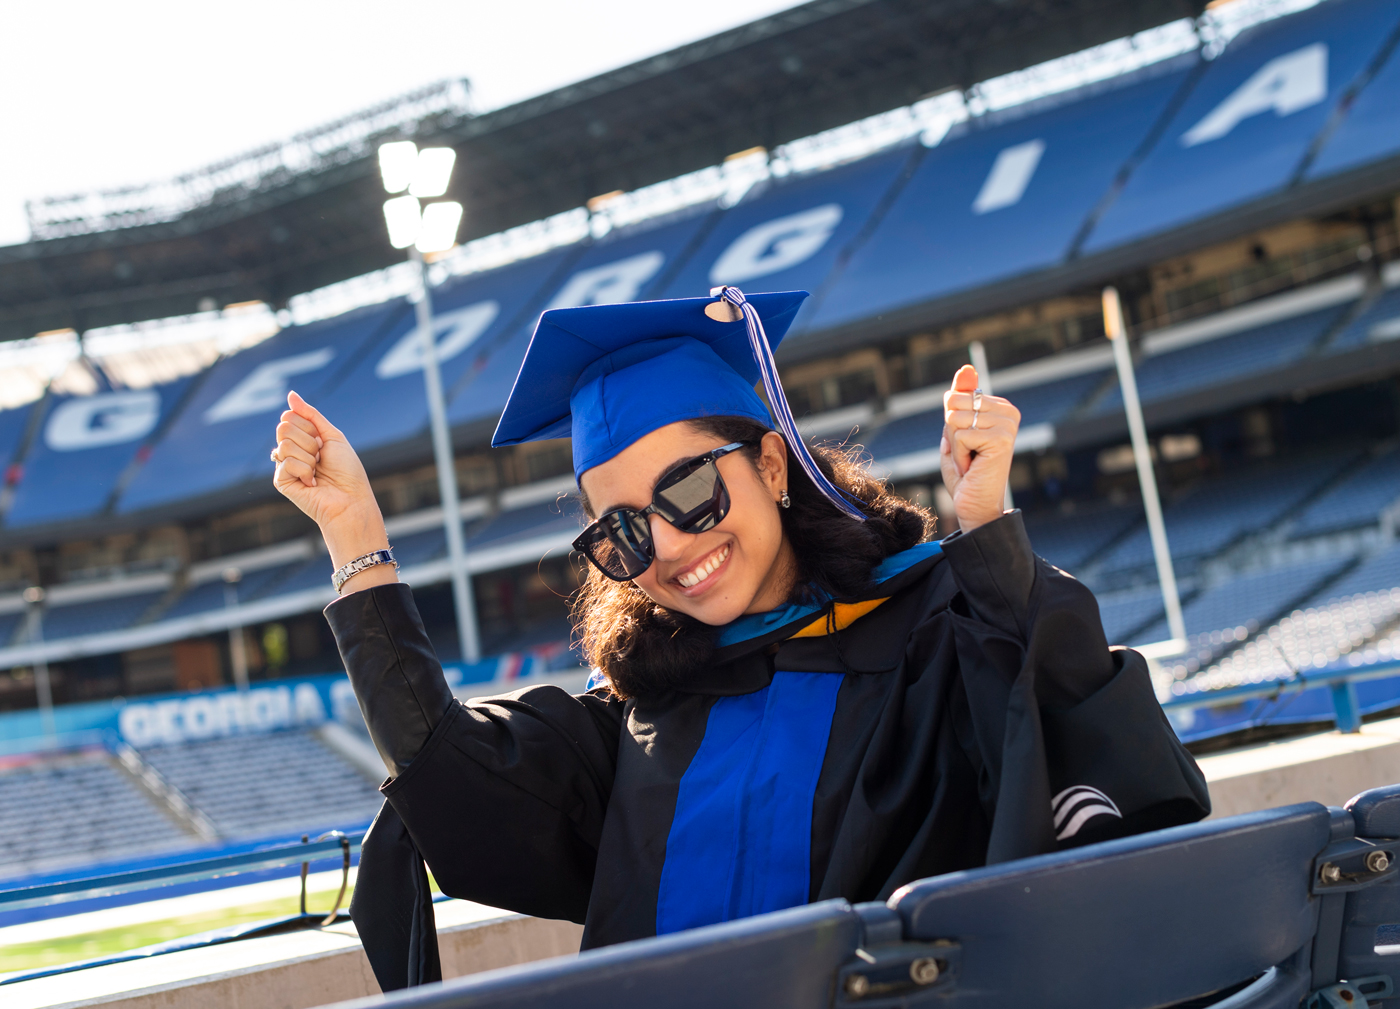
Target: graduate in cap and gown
<point>797,694</point>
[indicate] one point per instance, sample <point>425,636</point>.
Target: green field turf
<point>51,952</point>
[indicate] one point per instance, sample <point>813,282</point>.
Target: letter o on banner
<point>776,245</point>
<point>137,725</point>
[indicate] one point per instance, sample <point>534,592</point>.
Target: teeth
<point>694,578</point>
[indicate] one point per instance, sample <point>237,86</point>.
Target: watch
<point>372,559</point>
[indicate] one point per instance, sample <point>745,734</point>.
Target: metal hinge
<point>897,974</point>
<point>1352,994</point>
<point>1352,865</point>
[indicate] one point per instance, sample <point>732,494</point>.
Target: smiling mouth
<point>703,571</point>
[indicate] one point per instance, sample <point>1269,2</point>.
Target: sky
<point>96,95</point>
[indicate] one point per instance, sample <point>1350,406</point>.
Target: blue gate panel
<point>84,446</point>
<point>1371,129</point>
<point>225,432</point>
<point>382,402</point>
<point>787,234</point>
<point>1005,195</point>
<point>1244,129</point>
<point>629,264</point>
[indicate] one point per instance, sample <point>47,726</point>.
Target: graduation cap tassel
<point>768,368</point>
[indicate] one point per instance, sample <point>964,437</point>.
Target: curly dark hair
<point>646,650</point>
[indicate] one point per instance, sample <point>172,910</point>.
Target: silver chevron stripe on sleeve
<point>1076,806</point>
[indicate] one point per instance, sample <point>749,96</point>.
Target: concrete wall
<point>295,971</point>
<point>1329,767</point>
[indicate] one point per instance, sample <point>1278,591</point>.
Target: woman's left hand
<point>979,439</point>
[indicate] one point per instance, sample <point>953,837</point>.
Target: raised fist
<point>979,439</point>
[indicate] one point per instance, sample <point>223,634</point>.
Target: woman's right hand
<point>320,473</point>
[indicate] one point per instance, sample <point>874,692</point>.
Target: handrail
<point>111,884</point>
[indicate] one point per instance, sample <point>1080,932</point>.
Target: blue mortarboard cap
<point>606,375</point>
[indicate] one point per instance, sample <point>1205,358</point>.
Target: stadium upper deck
<point>1006,208</point>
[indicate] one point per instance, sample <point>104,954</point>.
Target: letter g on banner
<point>776,245</point>
<point>108,418</point>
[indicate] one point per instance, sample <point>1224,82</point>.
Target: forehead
<point>627,478</point>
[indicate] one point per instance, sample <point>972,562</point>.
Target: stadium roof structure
<point>293,217</point>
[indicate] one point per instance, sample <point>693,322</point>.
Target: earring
<point>785,501</point>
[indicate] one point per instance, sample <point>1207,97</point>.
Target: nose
<point>668,541</point>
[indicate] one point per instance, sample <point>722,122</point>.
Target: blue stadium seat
<point>12,426</point>
<point>85,445</point>
<point>1039,404</point>
<point>1219,511</point>
<point>789,234</point>
<point>1248,601</point>
<point>628,264</point>
<point>1371,129</point>
<point>1246,126</point>
<point>1125,613</point>
<point>548,518</point>
<point>1356,500</point>
<point>1226,359</point>
<point>211,595</point>
<point>381,401</point>
<point>225,430</point>
<point>1380,321</point>
<point>1002,195</point>
<point>1069,541</point>
<point>1234,908</point>
<point>97,615</point>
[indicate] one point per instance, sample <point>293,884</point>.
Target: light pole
<point>237,646</point>
<point>43,686</point>
<point>424,174</point>
<point>1117,333</point>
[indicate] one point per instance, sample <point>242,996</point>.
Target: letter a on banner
<point>1286,84</point>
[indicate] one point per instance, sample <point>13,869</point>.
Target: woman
<point>799,697</point>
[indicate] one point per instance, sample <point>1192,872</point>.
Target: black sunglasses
<point>692,497</point>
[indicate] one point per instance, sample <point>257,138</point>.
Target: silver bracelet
<point>369,560</point>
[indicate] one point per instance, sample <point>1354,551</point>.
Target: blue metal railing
<point>1339,683</point>
<point>216,867</point>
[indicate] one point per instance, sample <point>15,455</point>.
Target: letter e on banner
<point>265,387</point>
<point>776,245</point>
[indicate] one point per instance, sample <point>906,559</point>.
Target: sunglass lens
<point>620,544</point>
<point>693,501</point>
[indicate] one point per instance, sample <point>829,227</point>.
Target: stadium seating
<point>84,447</point>
<point>1124,614</point>
<point>1218,512</point>
<point>212,595</point>
<point>1228,611</point>
<point>1071,541</point>
<point>1216,153</point>
<point>267,784</point>
<point>97,615</point>
<point>1355,500</point>
<point>1380,321</point>
<point>76,809</point>
<point>1337,626</point>
<point>1002,195</point>
<point>1227,359</point>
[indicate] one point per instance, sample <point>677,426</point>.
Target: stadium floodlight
<point>404,217</point>
<point>398,163</point>
<point>440,222</point>
<point>419,229</point>
<point>1116,329</point>
<point>432,171</point>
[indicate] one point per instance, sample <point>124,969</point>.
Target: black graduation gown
<point>976,715</point>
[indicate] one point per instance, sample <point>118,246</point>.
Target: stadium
<point>951,182</point>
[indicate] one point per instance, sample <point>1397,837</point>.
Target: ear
<point>773,463</point>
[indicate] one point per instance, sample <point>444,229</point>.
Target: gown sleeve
<point>502,797</point>
<point>1070,741</point>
